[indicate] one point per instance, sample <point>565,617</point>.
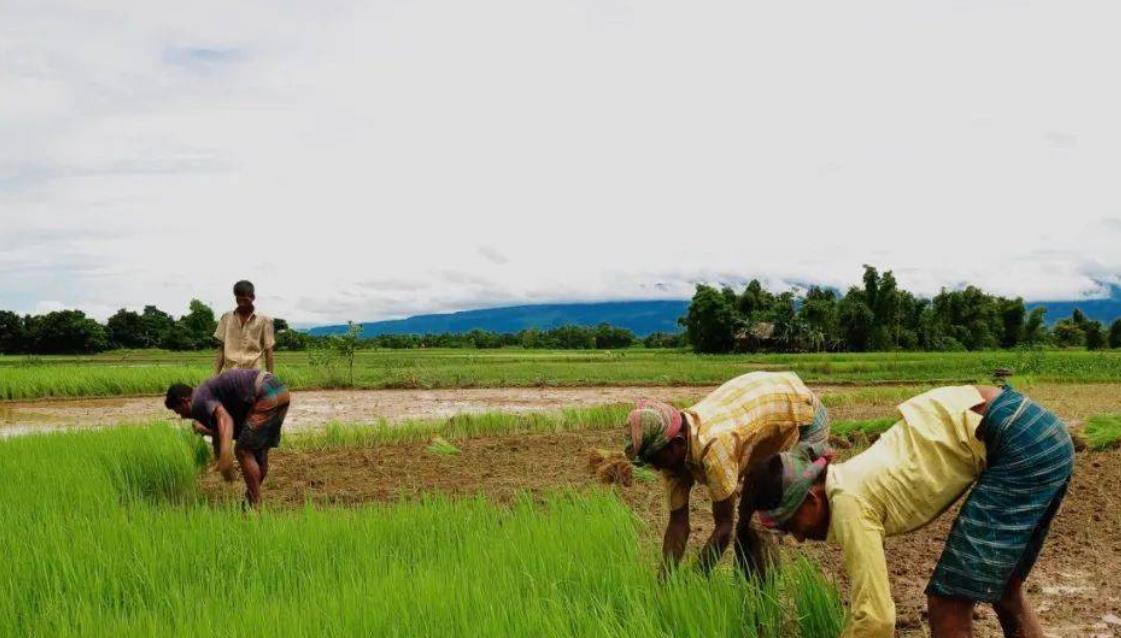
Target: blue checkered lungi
<point>1002,525</point>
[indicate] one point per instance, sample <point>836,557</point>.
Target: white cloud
<point>360,160</point>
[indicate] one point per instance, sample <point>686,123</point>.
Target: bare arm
<point>722,517</point>
<point>225,441</point>
<point>220,360</point>
<point>201,429</point>
<point>268,360</point>
<point>676,538</point>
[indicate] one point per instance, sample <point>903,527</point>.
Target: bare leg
<point>950,617</point>
<point>262,457</point>
<point>251,472</point>
<point>1017,617</point>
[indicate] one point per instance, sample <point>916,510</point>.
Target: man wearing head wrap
<point>1018,458</point>
<point>713,442</point>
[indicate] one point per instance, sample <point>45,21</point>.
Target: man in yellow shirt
<point>246,337</point>
<point>1017,456</point>
<point>713,442</point>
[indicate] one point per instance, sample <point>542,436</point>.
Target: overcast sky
<point>375,159</point>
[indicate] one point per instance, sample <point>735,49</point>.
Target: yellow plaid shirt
<point>742,421</point>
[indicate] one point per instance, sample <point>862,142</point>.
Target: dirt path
<point>1076,583</point>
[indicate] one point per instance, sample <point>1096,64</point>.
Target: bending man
<point>1017,456</point>
<point>712,443</point>
<point>243,405</point>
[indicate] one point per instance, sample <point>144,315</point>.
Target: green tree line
<point>72,332</point>
<point>877,315</point>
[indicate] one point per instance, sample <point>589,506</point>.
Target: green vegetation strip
<point>461,426</point>
<point>149,373</point>
<point>102,535</point>
<point>1103,432</point>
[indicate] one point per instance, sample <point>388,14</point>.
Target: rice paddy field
<point>130,373</point>
<point>104,534</point>
<point>403,520</point>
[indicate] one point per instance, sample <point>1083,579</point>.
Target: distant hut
<point>759,336</point>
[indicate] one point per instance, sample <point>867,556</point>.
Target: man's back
<point>920,466</point>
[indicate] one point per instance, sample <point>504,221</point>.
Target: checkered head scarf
<point>801,467</point>
<point>652,426</point>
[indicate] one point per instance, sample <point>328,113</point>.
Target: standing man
<point>246,337</point>
<point>713,443</point>
<point>243,411</point>
<point>1018,458</point>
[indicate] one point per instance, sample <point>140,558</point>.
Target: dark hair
<point>762,490</point>
<point>176,393</point>
<point>244,288</point>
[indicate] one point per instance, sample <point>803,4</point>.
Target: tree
<point>1115,334</point>
<point>819,312</point>
<point>65,332</point>
<point>885,308</point>
<point>710,321</point>
<point>857,320</point>
<point>1095,335</point>
<point>754,301</point>
<point>663,340</point>
<point>1035,328</point>
<point>278,325</point>
<point>608,337</point>
<point>157,324</point>
<point>199,324</point>
<point>1012,312</point>
<point>12,336</point>
<point>125,329</point>
<point>1068,334</point>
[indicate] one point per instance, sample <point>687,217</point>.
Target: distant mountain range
<point>1105,310</point>
<point>640,317</point>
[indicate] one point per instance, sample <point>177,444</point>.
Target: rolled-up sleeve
<point>861,537</point>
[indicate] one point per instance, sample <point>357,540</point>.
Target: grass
<point>150,372</point>
<point>460,426</point>
<point>1103,432</point>
<point>855,431</point>
<point>102,536</point>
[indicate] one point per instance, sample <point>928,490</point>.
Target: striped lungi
<point>261,429</point>
<point>1002,525</point>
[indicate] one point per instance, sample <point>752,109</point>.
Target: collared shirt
<point>912,474</point>
<point>744,420</point>
<point>243,346</point>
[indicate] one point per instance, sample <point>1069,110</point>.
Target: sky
<point>370,160</point>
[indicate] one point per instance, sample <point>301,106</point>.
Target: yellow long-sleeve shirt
<point>913,473</point>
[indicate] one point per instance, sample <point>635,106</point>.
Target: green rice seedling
<point>100,541</point>
<point>460,426</point>
<point>861,430</point>
<point>1103,432</point>
<point>440,445</point>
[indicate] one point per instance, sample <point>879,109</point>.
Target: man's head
<point>178,399</point>
<point>244,294</point>
<point>656,436</point>
<point>788,491</point>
